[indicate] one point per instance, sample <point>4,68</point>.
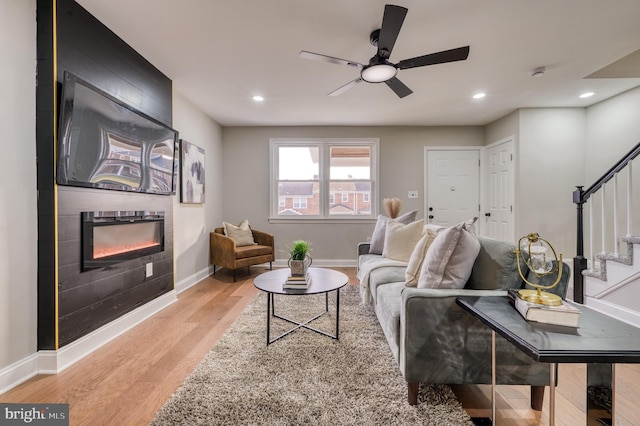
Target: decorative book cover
<point>296,284</point>
<point>565,314</point>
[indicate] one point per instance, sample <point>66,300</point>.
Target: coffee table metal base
<point>305,324</point>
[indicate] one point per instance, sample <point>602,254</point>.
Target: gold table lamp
<point>532,250</point>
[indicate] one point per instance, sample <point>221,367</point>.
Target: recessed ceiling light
<point>479,95</point>
<point>586,95</point>
<point>258,98</point>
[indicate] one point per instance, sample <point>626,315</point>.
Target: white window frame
<point>324,146</point>
<point>299,202</point>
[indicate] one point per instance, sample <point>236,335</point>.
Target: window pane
<point>356,195</point>
<point>298,198</point>
<point>350,162</point>
<point>298,163</point>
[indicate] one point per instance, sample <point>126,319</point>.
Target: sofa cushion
<point>380,277</point>
<point>417,258</point>
<point>495,267</point>
<point>377,239</point>
<point>388,309</point>
<point>401,239</point>
<point>450,258</point>
<point>241,233</point>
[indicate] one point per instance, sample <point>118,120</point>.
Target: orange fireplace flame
<point>100,252</point>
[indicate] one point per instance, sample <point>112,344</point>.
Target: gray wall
<point>549,161</point>
<point>246,179</point>
<point>18,218</point>
<point>192,222</point>
<point>550,165</point>
<point>613,129</point>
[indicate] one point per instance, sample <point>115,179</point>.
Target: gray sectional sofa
<point>434,340</point>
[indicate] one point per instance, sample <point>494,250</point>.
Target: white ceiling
<point>220,53</point>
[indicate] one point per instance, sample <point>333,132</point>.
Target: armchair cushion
<point>244,252</point>
<point>241,233</point>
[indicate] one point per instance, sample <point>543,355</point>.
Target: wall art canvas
<point>192,173</point>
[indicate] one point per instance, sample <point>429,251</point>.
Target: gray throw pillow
<point>377,239</point>
<point>449,260</point>
<point>496,266</point>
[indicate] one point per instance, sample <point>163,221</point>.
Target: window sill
<point>315,220</point>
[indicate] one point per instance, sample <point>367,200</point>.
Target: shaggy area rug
<point>305,378</point>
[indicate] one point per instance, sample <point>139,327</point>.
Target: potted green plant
<point>299,259</point>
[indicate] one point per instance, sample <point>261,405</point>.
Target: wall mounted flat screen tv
<point>105,143</point>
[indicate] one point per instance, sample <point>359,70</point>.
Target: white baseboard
<point>616,311</point>
<point>18,372</point>
<point>53,362</point>
<point>322,263</point>
<point>193,279</point>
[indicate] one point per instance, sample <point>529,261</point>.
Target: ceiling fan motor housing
<point>374,37</point>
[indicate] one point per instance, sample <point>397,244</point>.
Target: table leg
<point>269,312</point>
<point>600,393</point>
<point>493,377</point>
<point>337,314</point>
<point>552,394</point>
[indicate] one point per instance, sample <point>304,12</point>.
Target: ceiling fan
<point>379,68</point>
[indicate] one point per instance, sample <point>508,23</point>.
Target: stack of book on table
<point>565,314</point>
<point>297,282</point>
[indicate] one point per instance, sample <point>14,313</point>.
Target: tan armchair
<point>224,253</point>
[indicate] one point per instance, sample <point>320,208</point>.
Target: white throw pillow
<point>377,239</point>
<point>401,239</point>
<point>450,258</point>
<point>417,257</point>
<point>241,233</point>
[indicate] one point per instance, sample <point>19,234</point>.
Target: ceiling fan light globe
<point>378,73</point>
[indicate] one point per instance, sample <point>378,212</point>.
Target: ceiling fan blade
<point>342,89</point>
<point>391,24</point>
<point>398,87</point>
<point>332,60</point>
<point>452,55</point>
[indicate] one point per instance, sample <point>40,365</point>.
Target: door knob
<point>430,216</point>
<point>487,214</point>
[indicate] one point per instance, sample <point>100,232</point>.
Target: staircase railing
<point>580,197</point>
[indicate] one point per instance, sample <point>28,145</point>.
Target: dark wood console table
<point>600,341</point>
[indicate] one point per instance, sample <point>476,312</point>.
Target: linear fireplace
<point>110,237</point>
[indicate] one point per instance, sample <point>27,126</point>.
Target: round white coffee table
<point>322,281</point>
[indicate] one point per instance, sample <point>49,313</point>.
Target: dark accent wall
<point>88,300</point>
<point>45,117</point>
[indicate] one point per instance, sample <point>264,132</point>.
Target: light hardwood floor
<point>126,381</point>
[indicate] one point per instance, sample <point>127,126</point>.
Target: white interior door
<point>452,186</point>
<point>498,214</point>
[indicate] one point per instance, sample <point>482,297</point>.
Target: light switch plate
<point>149,269</point>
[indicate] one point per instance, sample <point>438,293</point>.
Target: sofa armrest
<point>222,250</point>
<point>363,248</point>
